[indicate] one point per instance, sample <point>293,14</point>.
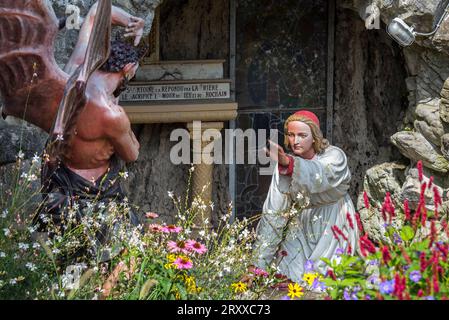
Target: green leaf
<point>407,233</point>
<point>327,261</point>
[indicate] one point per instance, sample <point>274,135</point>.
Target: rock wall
<point>370,95</point>
<point>423,134</point>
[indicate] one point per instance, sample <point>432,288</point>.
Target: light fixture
<point>405,35</point>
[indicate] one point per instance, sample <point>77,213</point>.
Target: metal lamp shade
<point>401,32</point>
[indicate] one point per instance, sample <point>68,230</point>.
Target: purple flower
<point>429,298</point>
<point>367,297</point>
<point>347,295</point>
<point>285,298</point>
<point>318,285</point>
<point>339,251</point>
<point>386,287</point>
<point>415,276</point>
<point>373,279</point>
<point>397,238</point>
<point>309,267</point>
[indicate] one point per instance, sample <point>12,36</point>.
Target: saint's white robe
<point>320,185</point>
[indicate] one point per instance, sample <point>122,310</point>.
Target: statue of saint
<point>307,201</point>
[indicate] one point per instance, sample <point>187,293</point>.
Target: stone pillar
<point>202,176</point>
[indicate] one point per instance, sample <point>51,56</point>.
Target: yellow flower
<point>190,281</point>
<point>199,289</point>
<point>309,278</point>
<point>239,287</point>
<point>169,266</point>
<point>294,290</point>
<point>171,257</point>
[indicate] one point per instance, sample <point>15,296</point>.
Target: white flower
<point>170,194</point>
<point>13,281</point>
<point>192,168</point>
<point>7,232</point>
<point>36,245</point>
<point>23,246</point>
<point>187,231</point>
<point>20,155</point>
<point>2,254</point>
<point>124,175</point>
<point>31,266</point>
<point>36,159</point>
<point>4,214</point>
<point>202,233</point>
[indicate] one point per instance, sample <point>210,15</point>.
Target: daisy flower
<point>171,229</point>
<point>151,215</point>
<point>155,228</point>
<point>196,246</point>
<point>294,290</point>
<point>178,246</point>
<point>183,263</point>
<point>239,287</point>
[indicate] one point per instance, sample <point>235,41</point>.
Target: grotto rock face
<point>369,102</point>
<point>423,134</point>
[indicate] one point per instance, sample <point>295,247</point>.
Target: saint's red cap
<point>309,115</point>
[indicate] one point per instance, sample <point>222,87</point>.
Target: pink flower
<point>155,228</point>
<point>196,246</point>
<point>179,246</point>
<point>260,272</point>
<point>171,229</point>
<point>183,263</point>
<point>151,215</point>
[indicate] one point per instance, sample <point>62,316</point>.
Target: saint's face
<point>300,139</point>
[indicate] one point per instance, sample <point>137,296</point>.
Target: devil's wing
<point>31,82</point>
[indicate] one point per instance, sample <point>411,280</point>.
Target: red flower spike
<point>330,273</point>
<point>348,217</point>
<point>420,170</point>
<point>420,293</point>
<point>433,233</point>
<point>367,244</point>
<point>422,262</point>
<point>386,256</point>
<point>362,249</point>
<point>349,251</point>
<point>366,200</point>
<point>407,210</point>
<point>424,216</point>
<point>335,234</point>
<point>430,182</point>
<point>359,222</point>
